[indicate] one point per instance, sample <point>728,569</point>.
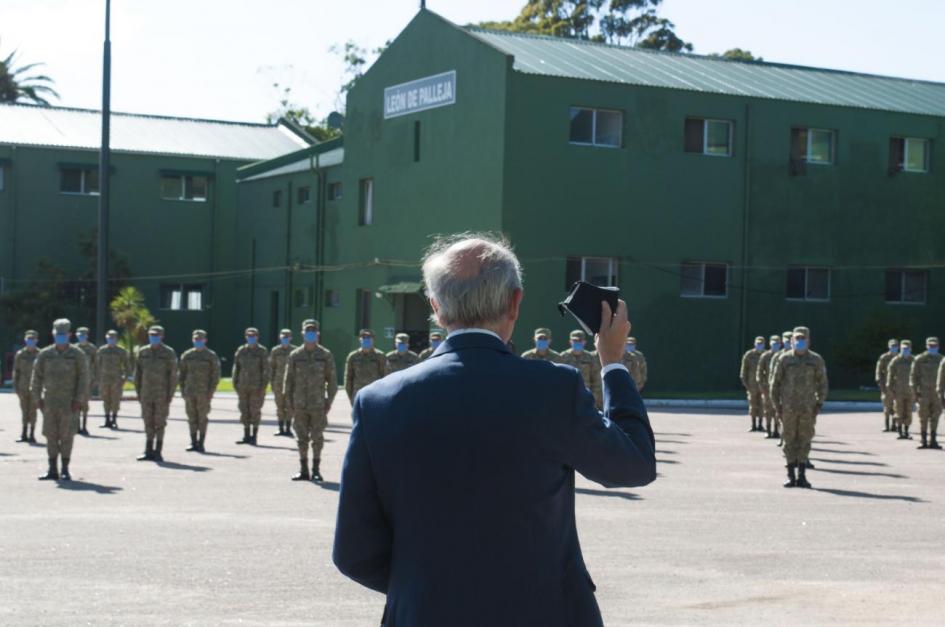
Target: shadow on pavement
<point>666,461</point>
<point>661,452</point>
<point>869,495</point>
<point>92,436</point>
<point>334,486</point>
<point>610,493</point>
<point>682,435</point>
<point>816,441</point>
<point>86,486</point>
<point>177,466</point>
<point>665,441</point>
<point>214,454</point>
<point>7,454</point>
<point>850,462</point>
<point>863,473</point>
<point>279,448</point>
<point>838,451</point>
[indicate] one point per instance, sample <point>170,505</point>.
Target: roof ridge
<point>686,55</point>
<point>153,116</point>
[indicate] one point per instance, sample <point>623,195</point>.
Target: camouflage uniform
<point>798,391</point>
<point>155,382</point>
<point>397,360</point>
<point>786,339</point>
<point>91,353</point>
<point>542,334</point>
<point>922,381</point>
<point>60,383</point>
<point>587,364</point>
<point>763,376</point>
<point>436,337</point>
<point>897,382</point>
<point>22,371</point>
<point>114,366</point>
<point>882,372</point>
<point>635,361</point>
<point>363,367</point>
<point>749,377</point>
<point>199,375</point>
<point>940,392</point>
<point>278,357</point>
<point>250,377</point>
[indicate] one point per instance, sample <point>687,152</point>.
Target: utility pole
<point>104,175</point>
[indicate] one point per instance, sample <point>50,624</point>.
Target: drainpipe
<point>320,203</point>
<point>286,314</point>
<point>746,212</point>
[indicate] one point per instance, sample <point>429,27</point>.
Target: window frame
<point>366,201</point>
<point>594,111</point>
<point>298,194</point>
<point>810,138</point>
<point>83,183</point>
<point>905,155</point>
<point>705,137</point>
<point>902,287</point>
<point>806,298</point>
<point>3,178</point>
<point>184,290</point>
<point>182,180</point>
<point>703,264</point>
<point>332,197</point>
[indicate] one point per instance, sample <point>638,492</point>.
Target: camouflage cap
<point>930,341</point>
<point>759,340</point>
<point>787,335</point>
<point>774,338</point>
<point>578,334</point>
<point>285,332</point>
<point>156,330</point>
<point>906,343</point>
<point>542,331</point>
<point>364,332</point>
<point>802,331</point>
<point>251,331</point>
<point>82,330</point>
<point>111,333</point>
<point>310,323</point>
<point>437,333</point>
<point>31,333</point>
<point>892,343</point>
<point>199,333</point>
<point>62,325</point>
<point>631,340</point>
<point>401,337</point>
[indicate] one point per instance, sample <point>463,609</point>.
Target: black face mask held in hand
<point>584,304</point>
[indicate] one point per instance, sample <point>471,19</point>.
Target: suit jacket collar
<point>470,340</point>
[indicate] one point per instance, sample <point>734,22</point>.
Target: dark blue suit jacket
<point>457,493</point>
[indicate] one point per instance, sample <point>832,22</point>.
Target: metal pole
<point>101,301</point>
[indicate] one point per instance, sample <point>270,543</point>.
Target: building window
<point>704,280</point>
<point>600,271</point>
<point>302,296</point>
<point>366,202</point>
<point>332,298</point>
<point>813,145</point>
<point>2,172</point>
<point>277,198</point>
<point>416,141</point>
<point>708,137</point>
<point>335,191</point>
<point>596,127</point>
<point>79,181</point>
<point>808,284</point>
<point>362,315</point>
<point>907,286</point>
<point>184,187</point>
<point>908,154</point>
<point>186,297</point>
<point>303,194</point>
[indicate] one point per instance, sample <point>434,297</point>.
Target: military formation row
<point>906,381</point>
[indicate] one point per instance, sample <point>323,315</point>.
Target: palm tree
<point>15,86</point>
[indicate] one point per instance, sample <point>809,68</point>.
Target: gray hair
<point>472,277</point>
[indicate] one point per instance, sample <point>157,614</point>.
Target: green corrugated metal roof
<point>332,152</point>
<point>554,56</point>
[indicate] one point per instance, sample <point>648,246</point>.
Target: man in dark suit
<point>457,493</point>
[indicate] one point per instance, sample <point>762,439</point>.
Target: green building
<point>726,199</point>
<point>173,209</point>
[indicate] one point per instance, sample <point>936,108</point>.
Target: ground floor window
<point>808,284</point>
<point>907,286</point>
<point>77,180</point>
<point>184,187</point>
<point>704,280</point>
<point>596,270</point>
<point>182,297</point>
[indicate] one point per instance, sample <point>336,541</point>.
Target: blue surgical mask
<point>252,340</point>
<point>61,338</point>
<point>933,350</point>
<point>401,347</point>
<point>367,342</point>
<point>906,351</point>
<point>800,345</point>
<point>894,349</point>
<point>542,345</point>
<point>111,341</point>
<point>285,340</point>
<point>310,336</point>
<point>154,340</point>
<point>759,347</point>
<point>200,343</point>
<point>82,337</point>
<point>775,346</point>
<point>435,344</point>
<point>577,346</point>
<point>787,345</point>
<point>31,342</point>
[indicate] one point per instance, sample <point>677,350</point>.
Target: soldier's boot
<point>901,432</point>
<point>246,439</point>
<point>252,438</point>
<point>288,430</point>
<point>925,442</point>
<point>316,475</point>
<point>905,433</point>
<point>148,452</point>
<point>115,420</point>
<point>200,440</point>
<point>33,434</point>
<point>886,429</point>
<point>792,479</point>
<point>108,422</point>
<point>193,442</point>
<point>808,465</point>
<point>802,481</point>
<point>23,436</point>
<point>85,423</point>
<point>753,426</point>
<point>53,473</point>
<point>281,430</point>
<point>303,472</point>
<point>64,475</point>
<point>158,445</point>
<point>768,435</point>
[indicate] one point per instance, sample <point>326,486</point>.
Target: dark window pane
<point>914,286</point>
<point>716,280</point>
<point>303,194</point>
<point>693,135</point>
<point>366,203</point>
<point>572,272</point>
<point>896,153</point>
<point>71,181</point>
<point>195,187</point>
<point>335,191</point>
<point>600,271</point>
<point>718,138</point>
<point>91,181</point>
<point>582,126</point>
<point>171,187</point>
<point>277,198</point>
<point>799,144</point>
<point>609,128</point>
<point>818,284</point>
<point>893,286</point>
<point>416,141</point>
<point>795,283</point>
<point>691,284</point>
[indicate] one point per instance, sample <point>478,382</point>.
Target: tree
<point>300,115</point>
<point>16,86</point>
<point>131,314</point>
<point>624,22</point>
<point>737,54</point>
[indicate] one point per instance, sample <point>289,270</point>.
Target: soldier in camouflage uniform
<point>22,371</point>
<point>250,378</point>
<point>542,350</point>
<point>278,357</point>
<point>91,353</point>
<point>114,366</point>
<point>310,387</point>
<point>798,391</point>
<point>763,377</point>
<point>364,365</point>
<point>786,339</point>
<point>198,375</point>
<point>155,382</point>
<point>587,364</point>
<point>401,357</point>
<point>749,376</point>
<point>436,338</point>
<point>940,392</point>
<point>635,361</point>
<point>922,380</point>
<point>897,382</point>
<point>882,372</point>
<point>60,384</point>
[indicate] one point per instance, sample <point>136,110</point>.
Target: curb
<point>666,403</point>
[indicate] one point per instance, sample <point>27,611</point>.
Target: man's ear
<point>436,312</point>
<point>517,295</point>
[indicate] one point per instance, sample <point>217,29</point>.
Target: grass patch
<point>735,395</point>
<point>226,385</point>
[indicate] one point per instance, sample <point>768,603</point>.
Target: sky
<point>220,58</point>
